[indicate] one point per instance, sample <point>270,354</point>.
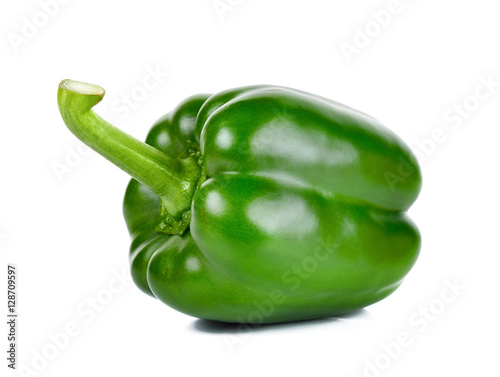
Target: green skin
<point>260,204</point>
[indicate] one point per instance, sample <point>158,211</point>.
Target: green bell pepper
<point>260,204</point>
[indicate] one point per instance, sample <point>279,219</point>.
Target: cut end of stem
<point>82,88</point>
<point>78,96</point>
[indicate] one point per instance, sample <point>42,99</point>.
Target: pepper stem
<point>173,180</point>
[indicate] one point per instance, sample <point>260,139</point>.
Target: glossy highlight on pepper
<point>260,204</point>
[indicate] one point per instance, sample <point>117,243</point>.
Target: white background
<point>67,236</point>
